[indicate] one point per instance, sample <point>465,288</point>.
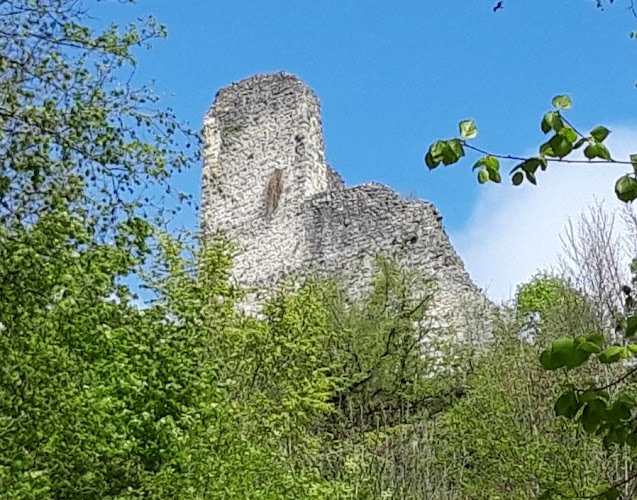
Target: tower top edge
<point>266,85</point>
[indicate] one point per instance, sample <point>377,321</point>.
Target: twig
<point>551,160</point>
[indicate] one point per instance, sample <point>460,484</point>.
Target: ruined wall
<point>347,229</point>
<point>263,155</point>
<point>267,186</point>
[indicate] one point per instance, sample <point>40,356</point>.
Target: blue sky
<point>393,77</point>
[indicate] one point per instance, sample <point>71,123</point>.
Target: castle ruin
<point>268,187</point>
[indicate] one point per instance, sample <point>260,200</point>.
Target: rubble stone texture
<point>267,186</point>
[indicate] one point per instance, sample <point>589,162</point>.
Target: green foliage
<point>74,134</point>
<point>497,438</point>
<point>549,306</point>
<point>626,188</point>
<point>565,140</point>
<point>445,152</point>
<point>501,440</point>
<point>571,353</point>
<point>562,102</point>
<point>605,409</point>
<point>377,349</point>
<point>271,383</point>
<point>468,129</point>
<point>323,397</point>
<point>188,397</point>
<point>489,169</point>
<point>96,393</point>
<point>320,397</point>
<point>541,294</point>
<point>184,397</point>
<point>103,399</point>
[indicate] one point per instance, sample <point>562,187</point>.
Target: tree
<point>607,409</point>
<point>76,135</point>
<point>548,305</point>
<point>81,412</point>
<point>596,258</point>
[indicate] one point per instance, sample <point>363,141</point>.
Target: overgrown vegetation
<point>605,407</point>
<point>322,397</point>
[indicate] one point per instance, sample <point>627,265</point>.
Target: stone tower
<point>267,186</point>
<point>263,157</point>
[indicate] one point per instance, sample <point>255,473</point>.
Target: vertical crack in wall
<point>273,191</point>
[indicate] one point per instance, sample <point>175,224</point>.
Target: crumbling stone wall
<point>262,133</point>
<point>267,186</point>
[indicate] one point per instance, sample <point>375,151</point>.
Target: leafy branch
<point>564,141</point>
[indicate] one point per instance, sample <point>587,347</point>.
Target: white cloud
<point>514,232</point>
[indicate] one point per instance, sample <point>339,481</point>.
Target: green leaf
<point>619,411</point>
<point>492,163</point>
<point>596,338</point>
<point>626,188</point>
<point>552,121</point>
<point>611,354</point>
<point>597,150</point>
<point>548,361</point>
<point>568,133</point>
<point>455,145</point>
<point>563,344</point>
<point>612,494</point>
<point>567,405</point>
<point>434,155</point>
<point>468,129</point>
<point>563,353</point>
<point>562,102</point>
<point>600,133</point>
<point>627,399</point>
<point>483,176</point>
<point>546,149</point>
<point>430,161</point>
<point>517,179</point>
<point>437,150</point>
<point>488,162</point>
<point>588,396</point>
<point>593,414</point>
<point>531,165</point>
<point>633,160</point>
<point>531,178</point>
<point>560,146</point>
<point>494,176</point>
<point>577,358</point>
<point>589,347</point>
<point>446,152</point>
<point>631,326</point>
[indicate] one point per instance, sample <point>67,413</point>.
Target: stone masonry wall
<point>267,186</point>
<point>259,130</point>
<point>347,229</point>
